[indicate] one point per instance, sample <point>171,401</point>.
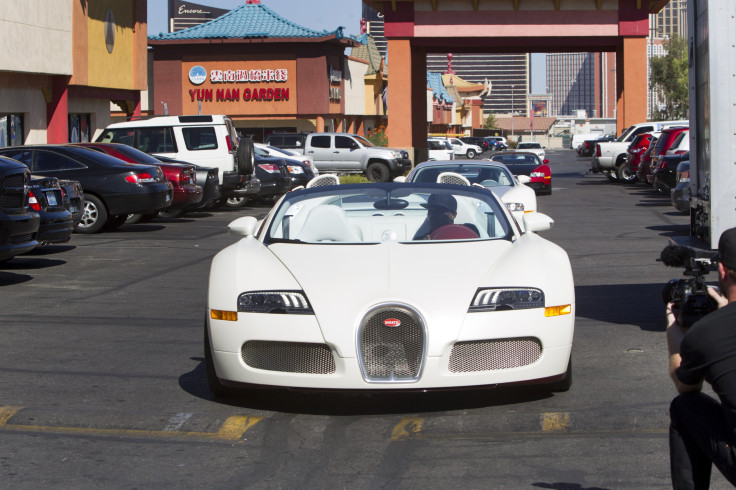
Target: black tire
<point>214,383</point>
<point>625,175</point>
<point>565,383</point>
<point>246,156</point>
<point>172,213</point>
<point>470,154</point>
<point>115,221</point>
<point>132,219</point>
<point>377,172</point>
<point>94,216</point>
<point>235,202</point>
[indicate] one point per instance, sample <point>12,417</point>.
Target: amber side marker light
<point>558,310</point>
<point>230,316</point>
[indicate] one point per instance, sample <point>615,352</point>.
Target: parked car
<point>286,141</point>
<point>587,147</point>
<point>274,177</point>
<point>440,150</point>
<point>183,177</point>
<point>207,178</point>
<point>644,173</point>
<point>204,140</point>
<point>351,153</point>
<point>634,153</point>
<point>680,195</point>
<point>478,141</point>
<point>113,189</point>
<point>665,175</point>
<point>463,148</point>
<point>664,142</point>
<point>73,197</point>
<point>18,222</point>
<point>494,176</point>
<point>425,312</point>
<point>299,168</point>
<point>526,163</point>
<point>681,144</point>
<point>497,143</point>
<point>531,146</point>
<point>46,198</point>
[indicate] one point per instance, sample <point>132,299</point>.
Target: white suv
<point>462,148</point>
<point>207,141</point>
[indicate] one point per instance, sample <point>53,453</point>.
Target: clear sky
<point>317,15</point>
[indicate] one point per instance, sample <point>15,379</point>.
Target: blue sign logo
<point>197,75</point>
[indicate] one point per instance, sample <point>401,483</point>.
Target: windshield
<point>529,145</point>
<point>375,213</point>
<point>512,159</point>
<point>481,174</point>
<point>362,140</point>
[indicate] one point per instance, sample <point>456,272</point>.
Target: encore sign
<point>198,75</point>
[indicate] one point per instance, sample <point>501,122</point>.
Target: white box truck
<point>712,72</point>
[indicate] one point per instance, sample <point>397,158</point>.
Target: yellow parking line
<point>407,428</point>
<point>555,421</point>
<point>232,429</point>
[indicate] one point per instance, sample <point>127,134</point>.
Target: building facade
<point>61,67</point>
<point>581,81</point>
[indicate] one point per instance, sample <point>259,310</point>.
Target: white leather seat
<point>328,223</point>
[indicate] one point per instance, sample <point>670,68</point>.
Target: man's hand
<point>720,300</point>
<point>675,333</point>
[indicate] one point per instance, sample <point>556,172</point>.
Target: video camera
<point>690,295</point>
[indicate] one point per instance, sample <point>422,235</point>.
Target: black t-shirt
<point>708,352</point>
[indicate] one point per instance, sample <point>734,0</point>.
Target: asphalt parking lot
<point>103,379</point>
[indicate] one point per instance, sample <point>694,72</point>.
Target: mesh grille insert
<point>288,357</point>
<point>490,355</point>
<point>391,344</point>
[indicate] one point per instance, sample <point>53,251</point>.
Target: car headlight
<point>296,169</point>
<point>501,299</point>
<point>284,302</point>
<point>515,206</point>
<point>396,154</point>
<point>536,174</point>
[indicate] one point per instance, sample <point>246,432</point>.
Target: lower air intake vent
<point>391,343</point>
<point>490,355</point>
<point>288,357</point>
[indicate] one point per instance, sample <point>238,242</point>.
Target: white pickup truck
<point>610,157</point>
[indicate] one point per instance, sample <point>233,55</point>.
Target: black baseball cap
<point>727,248</point>
<point>446,202</point>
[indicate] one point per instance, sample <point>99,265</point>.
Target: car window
<point>275,140</point>
<point>292,141</point>
<point>529,145</point>
<point>344,142</point>
<point>23,156</point>
<point>363,141</point>
<point>155,140</point>
<point>125,136</point>
<point>47,161</point>
<point>320,141</point>
<point>196,139</point>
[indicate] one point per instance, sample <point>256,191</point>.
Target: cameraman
<point>702,430</point>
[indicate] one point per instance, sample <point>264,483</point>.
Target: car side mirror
<point>545,161</point>
<point>534,222</point>
<point>244,226</point>
<point>400,178</point>
<point>523,179</point>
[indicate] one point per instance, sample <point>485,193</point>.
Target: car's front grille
<point>391,343</point>
<point>288,357</point>
<point>491,355</point>
<point>14,192</point>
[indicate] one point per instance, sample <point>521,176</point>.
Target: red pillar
<point>57,111</point>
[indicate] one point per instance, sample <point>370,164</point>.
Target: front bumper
<point>553,333</point>
<point>18,234</point>
<point>400,165</point>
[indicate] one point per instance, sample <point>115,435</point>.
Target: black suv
<point>476,140</point>
<point>18,224</point>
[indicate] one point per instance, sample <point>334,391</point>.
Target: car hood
<point>343,282</point>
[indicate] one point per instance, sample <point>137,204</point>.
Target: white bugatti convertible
<point>389,286</point>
